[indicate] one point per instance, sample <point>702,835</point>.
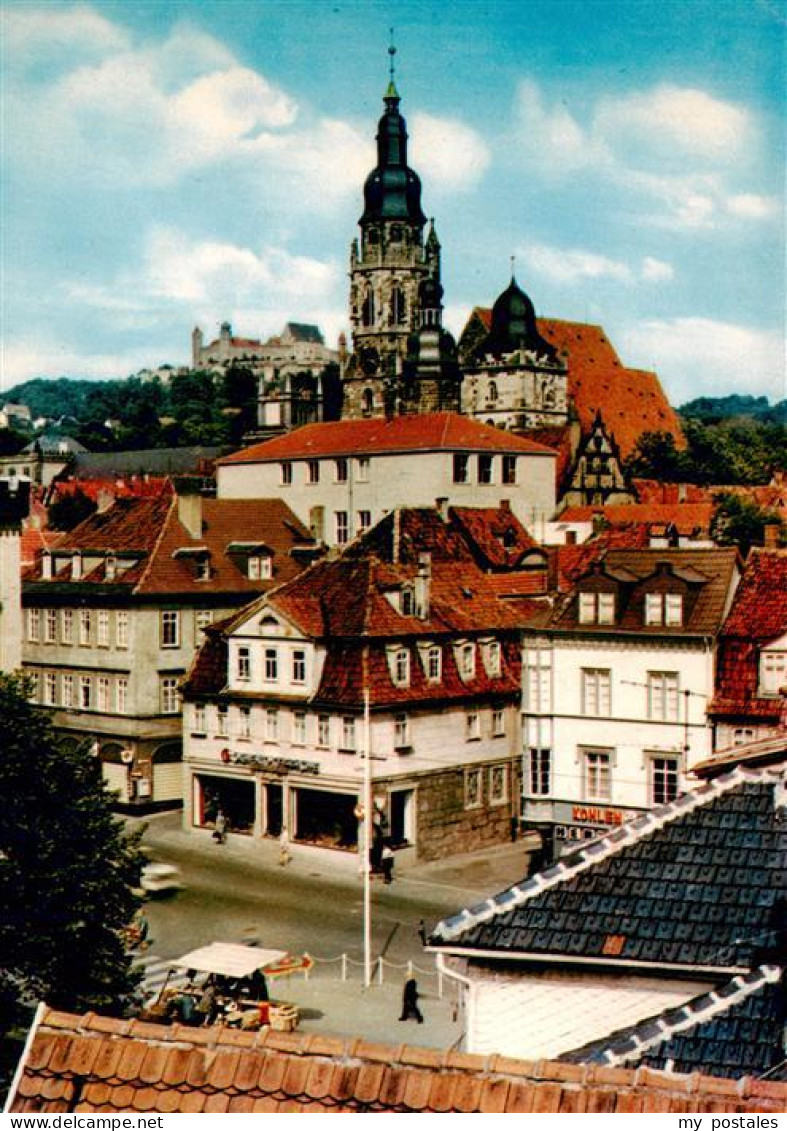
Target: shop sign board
<point>270,764</point>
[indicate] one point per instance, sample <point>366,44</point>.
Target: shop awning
<point>232,960</point>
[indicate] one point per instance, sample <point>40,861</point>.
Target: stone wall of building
<point>448,827</point>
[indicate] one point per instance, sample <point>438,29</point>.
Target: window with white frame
<point>654,608</point>
<point>324,730</point>
<point>348,732</point>
<point>85,627</point>
<point>673,609</point>
<point>299,666</point>
<point>364,521</point>
<point>121,628</point>
<point>244,722</point>
<point>102,693</point>
<point>102,628</point>
<point>401,732</point>
<point>596,692</point>
<point>596,608</point>
<point>663,697</point>
<point>498,722</point>
<point>35,684</point>
<point>285,474</point>
<point>341,525</point>
<point>271,667</point>
<point>509,470</point>
<point>434,663</point>
<point>199,718</point>
<point>202,618</point>
<point>50,626</point>
<point>472,726</point>
<point>121,695</point>
<point>33,625</point>
<point>85,692</point>
<point>473,795</point>
<point>742,735</point>
<point>485,469</point>
<point>773,672</point>
<point>362,467</point>
<point>493,658</point>
<point>50,688</point>
<point>244,664</point>
<point>222,720</point>
<point>259,567</point>
<point>67,690</point>
<point>540,771</point>
<point>663,780</point>
<point>66,626</point>
<point>299,728</point>
<point>467,661</point>
<point>461,468</point>
<point>498,785</point>
<point>202,569</point>
<point>598,775</point>
<point>313,471</point>
<point>401,667</point>
<point>340,466</point>
<point>271,724</point>
<point>169,628</point>
<point>169,700</point>
<point>538,680</point>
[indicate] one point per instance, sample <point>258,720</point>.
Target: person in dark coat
<point>410,1002</point>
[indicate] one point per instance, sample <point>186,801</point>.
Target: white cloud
<point>567,266</point>
<point>22,361</point>
<point>447,153</point>
<point>674,154</point>
<point>656,270</point>
<point>35,36</point>
<point>696,356</point>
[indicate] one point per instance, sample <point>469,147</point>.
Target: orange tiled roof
<point>631,401</point>
<point>102,1064</point>
<point>437,431</point>
<point>685,517</point>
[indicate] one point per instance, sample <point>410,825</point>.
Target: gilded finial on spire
<point>392,92</point>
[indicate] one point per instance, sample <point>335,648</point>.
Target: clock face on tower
<point>370,359</point>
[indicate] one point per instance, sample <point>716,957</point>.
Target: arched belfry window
<point>398,307</point>
<point>367,310</point>
<point>367,402</point>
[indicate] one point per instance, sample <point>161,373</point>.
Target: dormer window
<point>408,602</point>
<point>773,672</point>
<point>467,661</point>
<point>664,608</point>
<point>110,568</point>
<point>259,567</point>
<point>401,667</point>
<point>202,571</point>
<point>596,608</point>
<point>434,664</point>
<point>493,658</point>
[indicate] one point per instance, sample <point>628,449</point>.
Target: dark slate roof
<point>150,461</point>
<point>735,1030</point>
<point>699,883</point>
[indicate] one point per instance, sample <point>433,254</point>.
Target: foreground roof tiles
<point>95,1064</point>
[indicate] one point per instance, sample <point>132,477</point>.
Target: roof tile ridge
<point>608,845</point>
<point>687,1017</point>
<point>173,502</point>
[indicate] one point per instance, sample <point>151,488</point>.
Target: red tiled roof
<point>572,561</point>
<point>151,528</point>
<point>101,1064</point>
<point>631,401</point>
<point>438,431</point>
<point>654,491</point>
<point>495,533</point>
<point>758,616</point>
<point>33,541</point>
<point>685,517</point>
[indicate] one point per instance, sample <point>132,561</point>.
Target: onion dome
<point>514,324</point>
<point>392,190</point>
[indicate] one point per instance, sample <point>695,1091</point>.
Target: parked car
<point>160,879</point>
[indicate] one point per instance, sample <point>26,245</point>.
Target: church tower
<point>392,267</point>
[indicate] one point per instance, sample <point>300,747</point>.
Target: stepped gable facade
<point>750,699</point>
<point>115,610</point>
<point>672,925</point>
<point>275,701</point>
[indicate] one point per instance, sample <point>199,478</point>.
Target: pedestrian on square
<point>285,856</point>
<point>410,1002</point>
<point>422,932</point>
<point>220,828</point>
<point>387,864</point>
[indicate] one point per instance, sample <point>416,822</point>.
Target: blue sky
<point>176,163</point>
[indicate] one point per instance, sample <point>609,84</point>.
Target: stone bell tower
<point>388,267</point>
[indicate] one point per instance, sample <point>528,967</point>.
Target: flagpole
<point>367,846</point>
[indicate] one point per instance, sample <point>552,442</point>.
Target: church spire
<point>391,92</point>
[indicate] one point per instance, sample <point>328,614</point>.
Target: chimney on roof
<point>104,500</point>
<point>771,535</point>
<point>505,505</point>
<point>423,580</point>
<point>683,492</point>
<point>46,566</point>
<point>190,504</point>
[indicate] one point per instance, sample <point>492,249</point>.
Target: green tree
<point>68,871</point>
<point>740,522</point>
<point>657,457</point>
